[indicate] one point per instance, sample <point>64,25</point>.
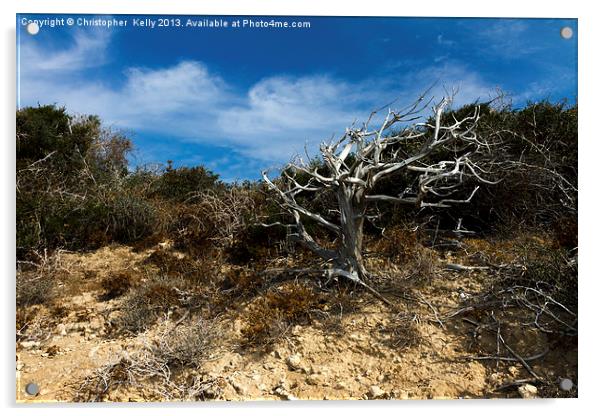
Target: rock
<point>28,345</point>
<point>294,361</point>
<point>240,389</point>
<point>527,391</point>
<point>313,379</point>
<point>376,392</point>
<point>61,329</point>
<point>97,323</point>
<point>494,378</point>
<point>513,370</point>
<point>20,366</point>
<point>340,386</point>
<point>402,395</point>
<point>280,391</point>
<point>262,387</point>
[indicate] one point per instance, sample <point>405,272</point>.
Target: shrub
<point>185,345</point>
<point>156,367</point>
<point>131,218</point>
<point>270,315</point>
<point>145,304</point>
<point>65,167</point>
<point>116,285</point>
<point>36,281</point>
<point>183,183</point>
<point>536,159</point>
<point>184,267</point>
<point>397,243</point>
<point>551,270</point>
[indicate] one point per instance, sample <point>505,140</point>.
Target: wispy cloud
<point>507,38</point>
<point>87,49</point>
<point>187,101</point>
<point>441,40</point>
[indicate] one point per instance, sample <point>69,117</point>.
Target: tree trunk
<point>352,234</point>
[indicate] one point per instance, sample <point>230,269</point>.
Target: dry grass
<point>269,316</point>
<point>156,368</point>
<point>197,271</point>
<point>36,280</point>
<point>115,285</point>
<point>401,331</point>
<point>146,303</point>
<point>397,244</point>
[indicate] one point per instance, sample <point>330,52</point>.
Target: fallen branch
<point>461,268</point>
<point>501,358</point>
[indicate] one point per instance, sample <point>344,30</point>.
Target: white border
<point>590,379</point>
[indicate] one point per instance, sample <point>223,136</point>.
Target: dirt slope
<point>360,356</point>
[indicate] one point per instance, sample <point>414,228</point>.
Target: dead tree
<point>363,157</point>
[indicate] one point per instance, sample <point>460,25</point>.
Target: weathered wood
<point>362,157</point>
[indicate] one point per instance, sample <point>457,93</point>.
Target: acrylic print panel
<point>282,208</point>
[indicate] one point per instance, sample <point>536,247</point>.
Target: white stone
<point>313,380</point>
<point>240,389</point>
<point>294,361</point>
<point>30,344</point>
<point>376,392</point>
<point>61,330</point>
<point>527,391</point>
<point>340,386</point>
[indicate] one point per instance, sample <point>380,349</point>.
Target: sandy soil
<point>355,359</point>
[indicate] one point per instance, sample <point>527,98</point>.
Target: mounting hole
<point>33,28</point>
<point>32,389</point>
<point>566,32</point>
<point>566,384</point>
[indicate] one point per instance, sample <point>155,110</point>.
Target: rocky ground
<point>370,352</point>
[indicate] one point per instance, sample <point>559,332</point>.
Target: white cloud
<point>281,114</point>
<point>270,121</point>
<point>87,49</point>
<point>174,89</point>
<point>448,77</point>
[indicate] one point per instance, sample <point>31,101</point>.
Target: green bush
<point>184,183</point>
<point>72,190</point>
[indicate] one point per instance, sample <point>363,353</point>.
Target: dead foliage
<point>178,265</point>
<point>36,280</point>
<point>146,303</point>
<point>269,316</point>
<point>242,282</point>
<point>156,369</point>
<point>115,285</point>
<point>531,297</point>
<point>401,331</point>
<point>33,324</point>
<point>397,244</point>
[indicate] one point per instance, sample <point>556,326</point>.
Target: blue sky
<point>239,100</point>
